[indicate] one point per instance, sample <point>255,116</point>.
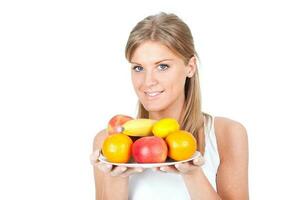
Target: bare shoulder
<point>98,139</point>
<point>231,137</point>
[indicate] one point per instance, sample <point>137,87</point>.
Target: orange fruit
<point>182,145</point>
<point>117,148</point>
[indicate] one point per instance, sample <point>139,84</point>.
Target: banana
<point>138,127</point>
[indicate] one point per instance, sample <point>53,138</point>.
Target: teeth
<point>152,94</point>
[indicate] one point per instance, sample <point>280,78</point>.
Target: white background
<point>63,75</point>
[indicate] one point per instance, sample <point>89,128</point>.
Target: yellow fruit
<point>117,148</point>
<point>181,144</point>
<point>164,127</point>
<point>138,127</point>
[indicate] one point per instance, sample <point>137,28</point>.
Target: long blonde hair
<point>171,31</point>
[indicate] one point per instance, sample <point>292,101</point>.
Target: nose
<point>150,79</point>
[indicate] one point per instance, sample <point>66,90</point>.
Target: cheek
<point>176,84</point>
<point>136,81</point>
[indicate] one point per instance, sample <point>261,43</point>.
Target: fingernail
<point>123,169</point>
<point>163,169</point>
<point>196,162</point>
<point>176,165</point>
<point>108,166</point>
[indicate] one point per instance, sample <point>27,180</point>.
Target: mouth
<point>153,95</point>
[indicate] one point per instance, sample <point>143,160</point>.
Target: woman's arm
<point>108,186</point>
<point>232,174</point>
<point>199,187</point>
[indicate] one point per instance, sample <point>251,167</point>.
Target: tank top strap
<point>210,136</point>
<point>208,119</point>
<point>211,154</point>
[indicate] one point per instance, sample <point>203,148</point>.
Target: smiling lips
<point>153,94</point>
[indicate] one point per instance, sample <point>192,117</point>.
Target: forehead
<point>151,52</point>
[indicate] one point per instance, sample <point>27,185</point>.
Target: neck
<point>173,111</point>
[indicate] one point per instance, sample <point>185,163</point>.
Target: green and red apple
<point>116,122</point>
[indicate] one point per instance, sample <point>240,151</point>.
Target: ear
<point>191,67</point>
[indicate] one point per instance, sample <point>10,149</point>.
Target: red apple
<point>149,149</point>
<point>116,122</point>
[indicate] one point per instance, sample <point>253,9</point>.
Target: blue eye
<point>163,67</point>
<point>138,68</point>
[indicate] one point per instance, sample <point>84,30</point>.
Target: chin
<point>153,107</point>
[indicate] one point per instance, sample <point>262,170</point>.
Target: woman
<point>164,74</point>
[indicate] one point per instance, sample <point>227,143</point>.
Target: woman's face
<point>158,76</point>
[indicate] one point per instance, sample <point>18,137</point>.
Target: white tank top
<point>158,185</point>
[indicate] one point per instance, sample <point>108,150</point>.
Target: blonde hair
<point>171,31</point>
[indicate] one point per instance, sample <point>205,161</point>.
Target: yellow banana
<point>138,127</point>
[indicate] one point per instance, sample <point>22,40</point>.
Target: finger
<point>104,167</point>
<point>94,157</point>
<point>131,171</point>
<point>183,167</point>
<point>118,170</point>
<point>170,169</point>
<point>198,161</point>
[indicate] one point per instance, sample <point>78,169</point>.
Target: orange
<point>182,145</point>
<point>117,148</point>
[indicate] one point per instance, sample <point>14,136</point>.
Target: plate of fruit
<point>147,143</point>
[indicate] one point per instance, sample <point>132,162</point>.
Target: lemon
<point>164,127</point>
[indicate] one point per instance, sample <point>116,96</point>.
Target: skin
<point>155,68</point>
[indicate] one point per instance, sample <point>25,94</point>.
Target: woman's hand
<point>184,167</point>
<point>113,170</point>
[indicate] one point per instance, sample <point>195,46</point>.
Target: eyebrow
<point>155,62</point>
